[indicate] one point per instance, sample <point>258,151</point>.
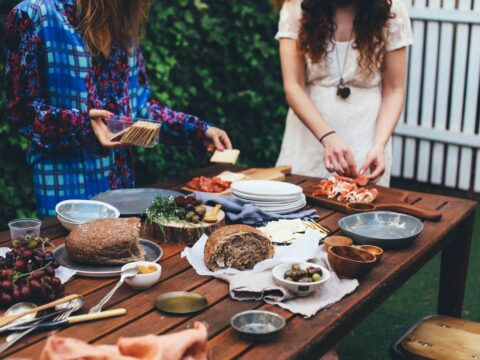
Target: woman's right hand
<point>100,129</point>
<point>338,157</point>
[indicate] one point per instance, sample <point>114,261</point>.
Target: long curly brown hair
<point>318,28</point>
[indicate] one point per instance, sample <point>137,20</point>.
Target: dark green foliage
<point>215,59</point>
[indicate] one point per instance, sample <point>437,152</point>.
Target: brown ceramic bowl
<point>374,250</point>
<point>349,261</point>
<point>337,241</point>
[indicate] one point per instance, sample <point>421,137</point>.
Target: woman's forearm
<point>388,116</point>
<point>300,102</point>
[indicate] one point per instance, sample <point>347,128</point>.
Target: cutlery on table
<point>125,274</point>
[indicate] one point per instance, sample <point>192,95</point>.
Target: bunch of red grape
<point>29,274</point>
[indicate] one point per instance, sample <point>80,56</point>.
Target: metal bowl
<point>82,211</point>
<point>381,228</point>
<point>258,325</point>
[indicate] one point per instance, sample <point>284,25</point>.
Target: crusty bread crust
<point>219,236</point>
<point>106,241</point>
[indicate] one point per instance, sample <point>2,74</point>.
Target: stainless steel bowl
<point>258,325</point>
<point>381,228</point>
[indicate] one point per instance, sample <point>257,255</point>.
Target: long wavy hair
<point>105,23</point>
<point>318,29</point>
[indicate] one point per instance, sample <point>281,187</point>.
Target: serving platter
<point>133,202</point>
<point>153,253</point>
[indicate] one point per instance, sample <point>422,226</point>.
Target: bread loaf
<point>106,241</point>
<point>237,246</point>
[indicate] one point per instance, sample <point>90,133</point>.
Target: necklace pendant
<point>343,91</point>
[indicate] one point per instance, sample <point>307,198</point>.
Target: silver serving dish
<point>381,228</point>
<point>258,325</point>
<point>133,202</point>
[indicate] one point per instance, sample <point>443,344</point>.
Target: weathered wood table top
<point>301,338</point>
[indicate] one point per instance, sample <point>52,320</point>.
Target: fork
<point>125,274</point>
<point>16,336</point>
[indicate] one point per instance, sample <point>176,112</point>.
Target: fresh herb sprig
<point>164,209</point>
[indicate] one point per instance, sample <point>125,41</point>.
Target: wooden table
<point>301,338</point>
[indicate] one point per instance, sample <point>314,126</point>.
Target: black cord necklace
<point>342,90</point>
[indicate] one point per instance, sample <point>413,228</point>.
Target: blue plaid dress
<point>53,82</point>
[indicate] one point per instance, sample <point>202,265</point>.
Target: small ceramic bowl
<point>258,325</point>
<point>374,250</point>
<point>350,261</point>
<point>67,224</point>
<point>143,281</point>
<point>298,288</point>
<point>337,240</point>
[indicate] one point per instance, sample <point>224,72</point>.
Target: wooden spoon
<point>212,217</point>
<point>8,319</point>
<point>425,214</point>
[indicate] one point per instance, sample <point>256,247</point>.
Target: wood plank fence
<point>437,139</point>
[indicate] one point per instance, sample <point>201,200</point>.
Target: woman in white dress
<point>344,70</point>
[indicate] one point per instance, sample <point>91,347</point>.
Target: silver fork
<point>14,337</point>
<point>125,274</point>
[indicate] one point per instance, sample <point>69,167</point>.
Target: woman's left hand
<point>216,138</point>
<point>375,162</point>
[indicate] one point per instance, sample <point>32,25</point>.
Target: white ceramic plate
<point>284,210</point>
<point>266,188</point>
<point>269,199</point>
<point>279,204</point>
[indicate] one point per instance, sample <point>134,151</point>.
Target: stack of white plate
<point>270,196</point>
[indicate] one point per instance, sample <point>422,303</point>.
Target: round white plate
<point>285,211</point>
<point>266,188</point>
<point>281,206</point>
<point>279,201</point>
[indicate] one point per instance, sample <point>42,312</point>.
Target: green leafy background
<point>214,59</point>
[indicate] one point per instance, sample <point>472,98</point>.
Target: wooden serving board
<point>182,232</point>
<point>388,199</point>
<point>276,173</point>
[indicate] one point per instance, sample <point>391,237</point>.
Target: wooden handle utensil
<point>96,316</point>
<point>8,319</point>
<point>212,217</point>
<point>425,214</point>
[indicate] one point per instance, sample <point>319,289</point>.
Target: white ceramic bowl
<point>143,281</point>
<point>82,211</point>
<point>66,224</point>
<point>300,289</point>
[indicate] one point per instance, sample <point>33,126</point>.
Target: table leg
<point>453,271</point>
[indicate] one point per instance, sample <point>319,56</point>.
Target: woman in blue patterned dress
<point>71,63</point>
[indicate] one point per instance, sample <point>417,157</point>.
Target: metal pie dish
<point>258,325</point>
<point>386,229</point>
<point>153,253</point>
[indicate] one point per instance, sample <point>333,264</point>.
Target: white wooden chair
<point>438,139</point>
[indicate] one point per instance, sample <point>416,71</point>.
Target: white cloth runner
<point>258,283</point>
<point>63,273</point>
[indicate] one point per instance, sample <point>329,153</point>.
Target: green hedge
<point>215,59</point>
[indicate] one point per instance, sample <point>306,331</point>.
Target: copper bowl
<point>337,240</point>
<point>350,262</point>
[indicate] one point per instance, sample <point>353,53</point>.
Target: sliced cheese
<point>232,177</point>
<point>225,156</point>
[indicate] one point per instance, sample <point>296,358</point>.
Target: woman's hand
<point>216,138</point>
<point>338,157</point>
<point>101,130</point>
<point>375,162</point>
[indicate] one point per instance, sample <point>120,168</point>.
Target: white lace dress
<point>353,118</point>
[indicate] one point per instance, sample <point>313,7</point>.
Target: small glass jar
<point>21,230</point>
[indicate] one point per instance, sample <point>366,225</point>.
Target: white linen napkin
<point>258,284</point>
<point>63,273</point>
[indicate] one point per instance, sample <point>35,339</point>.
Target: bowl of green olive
<point>301,278</point>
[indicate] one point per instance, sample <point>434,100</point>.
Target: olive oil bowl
<point>297,287</point>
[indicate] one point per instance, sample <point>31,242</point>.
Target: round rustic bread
<point>106,241</point>
<point>237,246</point>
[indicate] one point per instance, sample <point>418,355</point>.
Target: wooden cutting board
<point>388,199</point>
<point>276,173</point>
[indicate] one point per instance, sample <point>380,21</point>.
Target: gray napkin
<point>244,212</point>
<point>261,286</point>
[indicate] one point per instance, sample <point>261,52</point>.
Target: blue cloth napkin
<point>239,211</point>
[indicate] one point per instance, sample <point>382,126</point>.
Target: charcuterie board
<point>388,200</point>
<point>276,173</point>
